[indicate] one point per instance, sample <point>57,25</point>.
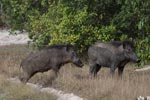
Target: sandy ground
<point>7,39</point>
<point>145,68</point>
<point>22,38</point>
<point>60,94</point>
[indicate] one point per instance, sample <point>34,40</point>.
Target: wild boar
<point>50,58</point>
<point>114,55</point>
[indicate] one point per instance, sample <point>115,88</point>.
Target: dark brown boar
<point>115,54</point>
<point>51,57</point>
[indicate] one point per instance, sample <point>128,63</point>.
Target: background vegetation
<point>80,22</point>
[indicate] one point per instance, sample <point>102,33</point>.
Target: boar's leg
<point>112,69</point>
<point>26,76</point>
<point>94,68</point>
<point>121,67</point>
<point>120,71</point>
<point>48,82</point>
<point>53,77</point>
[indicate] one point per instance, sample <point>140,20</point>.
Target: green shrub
<point>64,24</point>
<point>81,22</point>
<point>143,50</point>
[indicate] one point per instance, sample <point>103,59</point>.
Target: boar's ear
<point>128,43</point>
<point>124,44</point>
<point>68,47</point>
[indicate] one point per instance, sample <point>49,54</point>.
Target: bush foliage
<point>81,22</point>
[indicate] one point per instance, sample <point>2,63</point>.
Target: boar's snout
<point>138,60</point>
<point>78,63</point>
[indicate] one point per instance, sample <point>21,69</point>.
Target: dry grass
<point>76,80</point>
<point>104,87</point>
<point>14,91</point>
<point>10,57</point>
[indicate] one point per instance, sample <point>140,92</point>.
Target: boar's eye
<point>129,50</point>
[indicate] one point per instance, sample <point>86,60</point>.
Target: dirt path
<point>60,94</point>
<point>7,39</point>
<point>145,68</point>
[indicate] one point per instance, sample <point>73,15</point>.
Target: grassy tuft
<point>13,91</point>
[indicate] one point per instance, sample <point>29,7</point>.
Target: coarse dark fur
<point>58,46</point>
<point>51,57</point>
<point>114,55</point>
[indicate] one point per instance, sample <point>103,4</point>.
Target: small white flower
<point>148,98</point>
<point>140,98</point>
